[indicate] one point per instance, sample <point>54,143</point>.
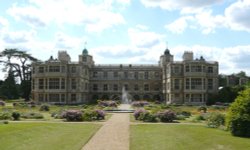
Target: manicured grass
<point>183,137</point>
<point>45,136</point>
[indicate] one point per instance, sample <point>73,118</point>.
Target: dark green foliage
<point>32,115</point>
<point>16,115</point>
<point>203,109</point>
<point>184,113</point>
<point>215,120</point>
<point>44,107</point>
<point>238,118</point>
<point>225,95</point>
<point>5,116</point>
<point>88,115</point>
<point>148,117</point>
<point>9,88</point>
<point>21,69</point>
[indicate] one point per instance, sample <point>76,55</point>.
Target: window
<point>210,70</point>
<point>40,97</point>
<point>196,97</point>
<point>115,87</point>
<point>187,83</point>
<point>187,69</point>
<point>86,86</point>
<point>54,68</point>
<point>84,59</point>
<point>73,84</point>
<point>95,87</point>
<point>115,74</point>
<point>176,84</point>
<point>157,87</point>
<point>41,84</point>
<point>62,83</point>
<point>146,75</point>
<point>196,83</point>
<point>54,97</point>
<point>157,75</point>
<point>33,84</point>
<point>125,75</point>
<point>105,87</point>
<point>46,83</point>
<point>63,68</point>
<point>196,68</point>
<point>176,69</point>
<point>136,75</point>
<point>210,84</point>
<point>73,97</point>
<point>54,83</point>
<point>41,70</point>
<point>126,87</point>
<point>105,74</point>
<point>136,88</point>
<point>62,97</point>
<point>73,69</point>
<point>146,87</point>
<point>95,74</point>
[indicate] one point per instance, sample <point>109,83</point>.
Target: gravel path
<point>113,135</point>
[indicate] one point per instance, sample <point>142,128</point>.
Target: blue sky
<point>130,31</point>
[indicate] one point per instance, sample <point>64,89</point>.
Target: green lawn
<point>183,137</point>
<point>45,136</point>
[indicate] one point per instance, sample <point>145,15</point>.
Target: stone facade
<point>182,82</point>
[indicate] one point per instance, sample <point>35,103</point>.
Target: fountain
<point>125,104</point>
<point>125,96</point>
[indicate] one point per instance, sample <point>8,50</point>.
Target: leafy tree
<point>238,118</point>
<point>9,88</point>
<point>20,63</point>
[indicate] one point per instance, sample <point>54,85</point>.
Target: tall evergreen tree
<point>21,69</point>
<point>9,87</point>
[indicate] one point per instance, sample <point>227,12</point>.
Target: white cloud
<point>144,39</point>
<point>3,23</point>
<point>238,16</point>
<point>179,25</point>
<point>95,16</point>
<point>183,4</point>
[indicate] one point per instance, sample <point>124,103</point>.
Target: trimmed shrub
<point>180,117</point>
<point>2,103</point>
<point>44,107</point>
<point>166,116</point>
<point>72,115</point>
<point>139,103</point>
<point>32,115</point>
<point>215,120</point>
<point>138,112</point>
<point>203,109</point>
<point>238,117</point>
<point>184,113</point>
<point>148,117</point>
<point>16,115</point>
<point>4,122</point>
<point>100,114</point>
<point>107,103</point>
<point>5,116</point>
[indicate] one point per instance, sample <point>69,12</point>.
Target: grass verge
<point>49,136</point>
<point>183,137</point>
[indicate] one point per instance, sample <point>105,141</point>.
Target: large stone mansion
<point>190,81</point>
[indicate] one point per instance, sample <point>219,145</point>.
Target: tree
<point>20,63</point>
<point>238,118</point>
<point>9,88</point>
